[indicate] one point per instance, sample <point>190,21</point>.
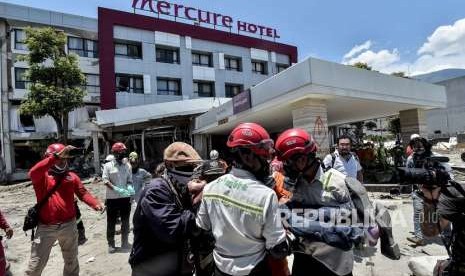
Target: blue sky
<point>414,36</point>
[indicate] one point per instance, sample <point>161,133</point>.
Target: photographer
<point>421,152</point>
<point>451,208</point>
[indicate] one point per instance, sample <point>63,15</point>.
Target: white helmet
<point>214,155</point>
<point>413,136</point>
<point>110,157</point>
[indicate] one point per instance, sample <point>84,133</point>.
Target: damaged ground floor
<point>316,95</point>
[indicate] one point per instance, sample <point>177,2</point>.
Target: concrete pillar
<point>6,143</point>
<point>312,115</point>
<point>412,121</point>
<point>96,152</point>
<point>201,145</point>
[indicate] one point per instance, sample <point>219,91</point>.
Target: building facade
<point>129,60</point>
<point>448,122</point>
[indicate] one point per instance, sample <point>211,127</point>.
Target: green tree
<point>400,74</point>
<point>358,132</point>
<point>362,65</point>
<point>394,126</point>
<point>370,125</point>
<point>56,80</point>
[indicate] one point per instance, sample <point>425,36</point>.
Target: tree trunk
<point>59,128</point>
<point>65,128</point>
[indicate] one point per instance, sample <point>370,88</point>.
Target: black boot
<point>125,242</point>
<point>81,236</point>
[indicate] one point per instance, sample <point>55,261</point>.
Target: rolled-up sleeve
<point>273,230</point>
<point>203,219</point>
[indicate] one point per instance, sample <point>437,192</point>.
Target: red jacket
<point>60,206</point>
<point>3,223</point>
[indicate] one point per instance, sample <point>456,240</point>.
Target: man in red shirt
<point>57,218</point>
<point>9,233</point>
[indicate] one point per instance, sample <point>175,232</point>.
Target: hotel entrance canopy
<point>349,94</point>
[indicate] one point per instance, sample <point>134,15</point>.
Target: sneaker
<point>111,249</point>
<point>417,241</point>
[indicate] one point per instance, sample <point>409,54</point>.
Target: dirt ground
<point>94,259</point>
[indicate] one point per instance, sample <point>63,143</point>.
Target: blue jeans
<point>417,214</point>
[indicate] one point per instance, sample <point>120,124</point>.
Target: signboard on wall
<point>199,16</point>
<point>241,102</point>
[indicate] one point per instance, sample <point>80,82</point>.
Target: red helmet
<point>118,147</point>
<point>252,136</point>
<point>292,141</point>
<point>54,148</point>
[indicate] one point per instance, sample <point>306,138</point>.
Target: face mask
<point>57,170</point>
<point>180,177</point>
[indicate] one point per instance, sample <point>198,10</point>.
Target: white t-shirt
<point>348,167</point>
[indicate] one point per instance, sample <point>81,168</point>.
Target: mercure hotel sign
<point>201,16</point>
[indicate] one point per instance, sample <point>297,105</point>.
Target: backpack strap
<point>333,160</point>
<point>42,202</point>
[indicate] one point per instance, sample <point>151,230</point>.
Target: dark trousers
<point>115,207</point>
<point>305,265</point>
<point>261,269</point>
<point>80,224</point>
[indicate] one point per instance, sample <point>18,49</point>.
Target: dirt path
<point>14,201</point>
<point>94,259</point>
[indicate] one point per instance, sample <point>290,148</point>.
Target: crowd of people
<point>210,217</point>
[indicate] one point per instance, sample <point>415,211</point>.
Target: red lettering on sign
<point>215,18</point>
<point>241,26</point>
<point>187,14</point>
<point>275,34</point>
<point>227,21</point>
<point>252,28</point>
<point>143,4</point>
<point>205,18</point>
<point>176,9</point>
<point>163,7</point>
<point>269,32</point>
<point>261,28</point>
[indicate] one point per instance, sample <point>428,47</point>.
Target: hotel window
<point>167,55</point>
<point>204,88</point>
<point>232,90</point>
<point>232,63</point>
<point>259,67</point>
<point>27,122</point>
<point>129,50</point>
<point>281,67</point>
<point>166,86</point>
<point>202,59</point>
<point>21,81</point>
<point>129,83</point>
<point>92,83</point>
<point>83,47</point>
<point>20,39</point>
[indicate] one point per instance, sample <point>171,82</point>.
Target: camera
<point>429,172</point>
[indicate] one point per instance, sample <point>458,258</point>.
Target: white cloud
<point>444,48</point>
<point>446,40</point>
<point>357,49</point>
<point>378,60</point>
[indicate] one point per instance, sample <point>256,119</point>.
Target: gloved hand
<point>129,191</point>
